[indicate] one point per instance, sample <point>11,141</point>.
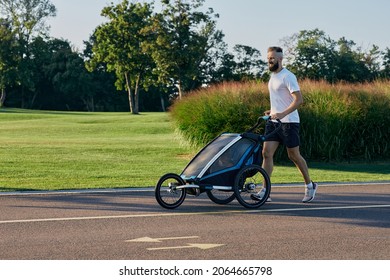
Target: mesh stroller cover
<point>225,152</point>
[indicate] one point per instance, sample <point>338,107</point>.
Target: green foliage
<point>118,45</point>
<point>233,107</point>
<point>249,65</point>
<point>385,73</point>
<point>154,55</point>
<point>339,122</point>
<point>182,37</point>
<point>350,121</point>
<point>62,82</point>
<point>311,54</point>
<point>67,74</point>
<point>27,20</point>
<point>28,16</point>
<point>8,60</point>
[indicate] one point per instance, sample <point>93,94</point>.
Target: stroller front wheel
<point>166,192</point>
<point>249,181</point>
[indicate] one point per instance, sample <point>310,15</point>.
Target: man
<point>286,97</point>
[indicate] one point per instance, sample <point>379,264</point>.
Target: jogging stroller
<point>228,167</point>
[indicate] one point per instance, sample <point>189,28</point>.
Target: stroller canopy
<point>225,151</point>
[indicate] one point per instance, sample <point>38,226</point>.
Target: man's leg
<point>269,149</point>
<point>299,161</point>
<point>295,156</point>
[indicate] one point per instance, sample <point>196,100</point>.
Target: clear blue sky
<point>256,23</point>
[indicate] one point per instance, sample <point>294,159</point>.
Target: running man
<point>286,97</point>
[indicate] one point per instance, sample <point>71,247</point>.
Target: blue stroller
<point>228,167</point>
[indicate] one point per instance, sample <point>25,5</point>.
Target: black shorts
<point>288,135</point>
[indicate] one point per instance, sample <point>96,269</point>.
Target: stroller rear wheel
<point>221,197</point>
<point>166,192</point>
<point>249,181</point>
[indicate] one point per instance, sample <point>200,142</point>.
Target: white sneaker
<point>259,196</point>
<point>310,193</point>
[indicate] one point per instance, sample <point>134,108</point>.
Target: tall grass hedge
<point>338,121</point>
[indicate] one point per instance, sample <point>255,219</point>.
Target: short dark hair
<point>275,49</point>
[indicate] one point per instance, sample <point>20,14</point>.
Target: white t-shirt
<point>281,86</point>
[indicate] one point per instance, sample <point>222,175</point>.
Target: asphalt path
<point>344,222</point>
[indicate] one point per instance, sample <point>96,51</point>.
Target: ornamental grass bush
<point>338,121</point>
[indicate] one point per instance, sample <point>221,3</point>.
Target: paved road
<point>344,222</point>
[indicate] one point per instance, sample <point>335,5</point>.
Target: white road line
<point>191,214</point>
<point>151,189</point>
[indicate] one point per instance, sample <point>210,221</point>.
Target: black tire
<point>166,194</point>
<point>250,180</point>
<point>221,197</point>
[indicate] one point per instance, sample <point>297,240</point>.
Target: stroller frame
<point>226,168</point>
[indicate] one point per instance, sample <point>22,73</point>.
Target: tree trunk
<point>89,103</point>
<point>179,88</point>
<point>130,95</point>
<point>136,96</point>
<point>162,102</point>
<point>22,101</point>
<point>32,100</point>
<point>2,97</point>
<point>92,104</point>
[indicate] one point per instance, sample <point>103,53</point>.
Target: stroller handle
<point>259,121</point>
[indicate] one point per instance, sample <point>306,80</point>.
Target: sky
<point>255,23</point>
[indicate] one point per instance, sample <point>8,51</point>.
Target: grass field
<point>44,150</point>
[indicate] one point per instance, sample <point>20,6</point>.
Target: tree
<point>28,16</point>
<point>354,65</point>
<point>244,63</point>
<point>312,56</point>
<point>372,62</point>
<point>219,64</point>
<point>8,61</point>
<point>103,83</point>
<point>183,37</point>
<point>117,43</point>
<point>249,64</point>
<point>27,20</point>
<point>385,72</point>
<point>68,77</point>
<point>350,65</point>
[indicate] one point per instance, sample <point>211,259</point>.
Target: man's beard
<point>273,67</point>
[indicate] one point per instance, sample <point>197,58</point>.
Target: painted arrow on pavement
<point>199,246</point>
<point>155,240</point>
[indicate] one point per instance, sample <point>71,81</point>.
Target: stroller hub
<point>249,187</point>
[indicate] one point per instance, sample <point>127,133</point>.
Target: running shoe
<point>310,193</point>
<point>259,196</point>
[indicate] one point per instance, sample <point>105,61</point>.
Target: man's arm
<point>298,100</point>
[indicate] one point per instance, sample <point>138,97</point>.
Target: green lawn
<point>44,150</point>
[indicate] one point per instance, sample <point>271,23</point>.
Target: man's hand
<point>277,116</point>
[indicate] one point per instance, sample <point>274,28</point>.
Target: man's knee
<point>294,154</point>
<point>269,149</point>
<point>267,154</point>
